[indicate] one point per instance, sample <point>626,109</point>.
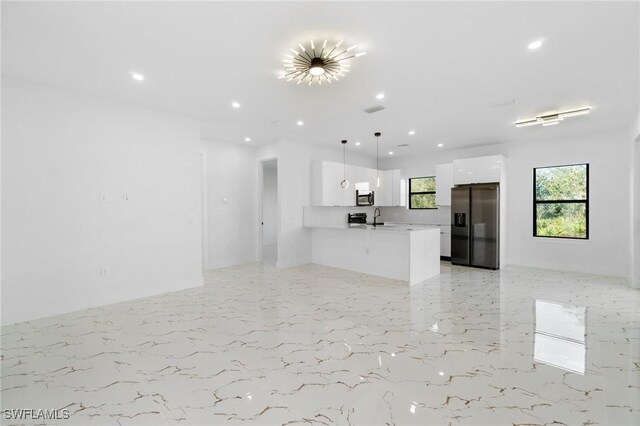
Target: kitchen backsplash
<point>314,216</point>
<point>439,216</point>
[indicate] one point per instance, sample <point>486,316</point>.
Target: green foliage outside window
<point>422,193</point>
<point>561,201</point>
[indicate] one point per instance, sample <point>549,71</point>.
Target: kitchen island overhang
<point>401,252</point>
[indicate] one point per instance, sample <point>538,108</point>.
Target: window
<point>561,201</point>
<point>422,193</point>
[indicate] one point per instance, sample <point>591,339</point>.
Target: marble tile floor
<point>316,345</point>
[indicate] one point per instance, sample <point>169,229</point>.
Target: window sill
<point>545,240</point>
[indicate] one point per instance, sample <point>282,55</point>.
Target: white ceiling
<point>441,65</point>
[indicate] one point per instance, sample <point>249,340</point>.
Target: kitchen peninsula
<point>403,252</point>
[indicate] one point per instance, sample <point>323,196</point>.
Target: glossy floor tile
<point>315,345</point>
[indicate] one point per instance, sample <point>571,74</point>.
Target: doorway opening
<point>269,213</point>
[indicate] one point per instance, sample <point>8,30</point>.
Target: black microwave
<point>364,198</point>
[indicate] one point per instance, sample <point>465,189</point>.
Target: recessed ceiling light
<point>247,139</point>
<point>357,143</point>
<point>440,145</point>
<point>536,44</point>
<point>235,104</point>
<point>380,96</point>
<point>137,76</point>
<point>390,152</point>
<point>300,123</point>
<point>412,132</point>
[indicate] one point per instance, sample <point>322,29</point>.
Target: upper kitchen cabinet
<point>392,191</point>
<point>444,183</point>
<point>478,170</point>
<point>399,189</point>
<point>488,168</point>
<point>464,171</point>
<point>326,190</point>
<point>383,194</point>
<point>325,185</point>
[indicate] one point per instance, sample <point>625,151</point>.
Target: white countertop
<point>387,227</point>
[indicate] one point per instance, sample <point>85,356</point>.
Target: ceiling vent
<point>502,103</point>
<point>403,145</point>
<point>373,109</point>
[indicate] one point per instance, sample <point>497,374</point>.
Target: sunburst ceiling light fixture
<point>324,64</point>
<point>552,118</point>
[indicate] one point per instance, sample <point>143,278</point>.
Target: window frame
<point>421,193</point>
<point>536,202</point>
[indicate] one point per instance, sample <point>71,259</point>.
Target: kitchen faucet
<point>376,215</point>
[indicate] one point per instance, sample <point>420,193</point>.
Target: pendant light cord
<point>378,158</point>
<point>345,183</point>
<point>377,135</point>
<point>344,161</point>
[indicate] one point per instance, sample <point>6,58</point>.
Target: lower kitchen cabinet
<point>445,241</point>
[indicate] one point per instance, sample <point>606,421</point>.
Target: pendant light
<point>345,183</point>
<point>377,135</point>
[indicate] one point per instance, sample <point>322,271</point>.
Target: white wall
<point>294,185</point>
<point>270,206</point>
<point>606,251</point>
<point>635,273</point>
<point>634,138</point>
<point>61,150</point>
<point>231,204</point>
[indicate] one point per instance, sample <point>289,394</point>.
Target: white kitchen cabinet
<point>488,168</point>
<point>326,191</point>
<point>444,183</point>
<point>445,241</point>
<point>478,170</point>
<point>361,179</point>
<point>464,171</point>
<point>392,191</point>
<point>383,194</point>
<point>399,189</point>
<point>325,183</point>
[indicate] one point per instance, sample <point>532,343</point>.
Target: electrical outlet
<point>105,271</point>
<point>103,197</point>
<point>125,197</point>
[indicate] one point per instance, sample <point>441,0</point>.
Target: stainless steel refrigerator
<point>475,225</point>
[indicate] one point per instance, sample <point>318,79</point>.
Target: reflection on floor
<point>319,345</point>
<point>270,254</point>
<point>560,336</point>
